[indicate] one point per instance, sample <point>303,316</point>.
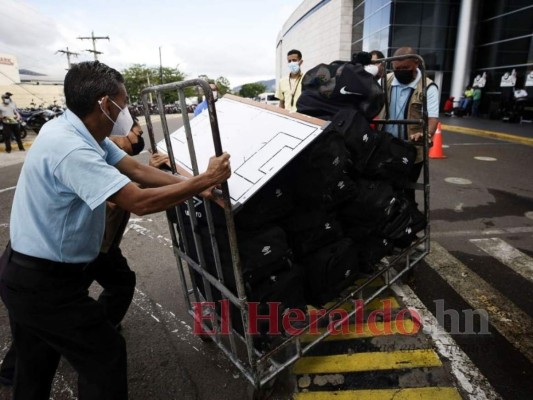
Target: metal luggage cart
<point>199,285</point>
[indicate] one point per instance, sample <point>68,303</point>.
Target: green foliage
<point>251,90</point>
<point>139,76</point>
<point>223,85</point>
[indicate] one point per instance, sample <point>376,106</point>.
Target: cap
<point>8,94</point>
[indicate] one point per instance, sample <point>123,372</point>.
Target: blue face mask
<point>294,67</point>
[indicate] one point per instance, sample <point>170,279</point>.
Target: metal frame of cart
<point>261,367</point>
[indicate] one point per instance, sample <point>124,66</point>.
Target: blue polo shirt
<point>59,207</point>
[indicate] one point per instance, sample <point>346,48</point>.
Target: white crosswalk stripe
<point>512,323</point>
<point>508,255</point>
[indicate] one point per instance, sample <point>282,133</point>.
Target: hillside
<point>269,84</point>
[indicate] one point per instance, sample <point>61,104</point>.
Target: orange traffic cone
<point>436,150</point>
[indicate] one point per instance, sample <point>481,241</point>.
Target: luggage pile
<point>330,214</point>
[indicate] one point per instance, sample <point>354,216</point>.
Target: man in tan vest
<point>404,96</point>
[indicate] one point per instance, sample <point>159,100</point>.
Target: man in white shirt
<point>10,120</point>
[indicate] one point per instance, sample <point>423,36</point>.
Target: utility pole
<point>160,67</point>
<point>68,53</point>
<point>149,84</point>
<point>94,39</point>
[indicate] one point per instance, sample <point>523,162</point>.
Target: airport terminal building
<point>458,39</point>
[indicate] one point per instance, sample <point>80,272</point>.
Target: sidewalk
<point>517,132</point>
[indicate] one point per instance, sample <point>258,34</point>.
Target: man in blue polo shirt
<point>56,229</point>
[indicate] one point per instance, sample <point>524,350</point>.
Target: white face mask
<point>372,69</point>
<point>6,101</point>
<point>294,67</point>
<point>124,121</point>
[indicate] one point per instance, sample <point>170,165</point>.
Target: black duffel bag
<point>263,253</point>
<point>272,202</point>
<point>309,230</point>
<point>329,269</point>
<point>393,159</point>
<point>374,203</point>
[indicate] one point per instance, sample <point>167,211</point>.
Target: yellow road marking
<point>372,361</point>
<point>491,134</point>
<point>426,393</point>
<point>373,305</point>
<point>404,326</point>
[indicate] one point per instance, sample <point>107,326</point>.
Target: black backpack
<point>319,173</point>
<point>360,139</point>
<point>327,88</point>
<point>404,224</point>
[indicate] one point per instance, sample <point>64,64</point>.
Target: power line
<point>94,39</point>
<point>68,53</point>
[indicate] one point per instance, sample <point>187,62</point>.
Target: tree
<point>251,90</point>
<point>223,85</point>
<point>139,76</point>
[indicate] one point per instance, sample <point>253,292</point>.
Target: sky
<point>231,38</point>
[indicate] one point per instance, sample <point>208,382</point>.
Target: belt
<point>42,264</point>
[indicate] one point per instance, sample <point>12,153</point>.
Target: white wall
<point>42,94</point>
<point>9,69</point>
<point>322,36</point>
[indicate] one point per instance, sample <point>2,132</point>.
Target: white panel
<point>260,139</point>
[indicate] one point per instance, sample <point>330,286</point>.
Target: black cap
<point>8,94</point>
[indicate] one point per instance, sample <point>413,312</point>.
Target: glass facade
<point>502,35</point>
<point>504,40</point>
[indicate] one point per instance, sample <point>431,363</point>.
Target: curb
<point>490,134</point>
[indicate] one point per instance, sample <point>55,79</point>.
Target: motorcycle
<point>35,120</point>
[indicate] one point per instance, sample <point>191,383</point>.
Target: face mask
<point>294,67</point>
<point>404,76</point>
<point>6,101</point>
<point>372,69</point>
<point>136,148</point>
<point>124,121</point>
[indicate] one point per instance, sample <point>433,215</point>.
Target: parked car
<point>268,98</point>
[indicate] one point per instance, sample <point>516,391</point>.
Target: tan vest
<point>412,111</point>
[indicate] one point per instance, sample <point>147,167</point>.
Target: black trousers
<point>9,130</point>
<point>52,315</point>
<point>112,272</point>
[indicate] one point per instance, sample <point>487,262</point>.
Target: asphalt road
<point>493,211</point>
<point>491,200</point>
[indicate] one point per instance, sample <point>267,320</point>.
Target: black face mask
<point>136,148</point>
<point>404,76</point>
